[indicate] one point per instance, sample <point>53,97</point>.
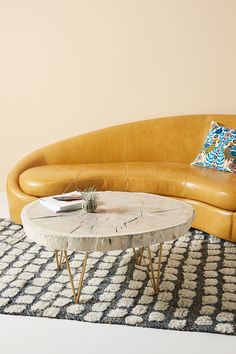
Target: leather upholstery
<point>149,156</point>
<point>165,178</point>
<point>211,219</point>
<point>41,181</point>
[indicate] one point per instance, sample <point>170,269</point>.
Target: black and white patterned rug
<point>197,291</point>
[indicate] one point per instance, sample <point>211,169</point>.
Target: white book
<point>63,202</point>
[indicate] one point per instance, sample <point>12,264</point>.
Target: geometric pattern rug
<point>197,289</point>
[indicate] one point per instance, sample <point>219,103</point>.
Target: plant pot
<point>89,205</point>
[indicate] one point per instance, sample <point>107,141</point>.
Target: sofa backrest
<point>169,139</point>
<point>172,139</point>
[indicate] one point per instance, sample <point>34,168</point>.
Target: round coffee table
<point>122,220</point>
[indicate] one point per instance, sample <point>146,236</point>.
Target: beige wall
<point>70,66</point>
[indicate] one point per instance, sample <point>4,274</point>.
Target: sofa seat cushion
<point>48,180</point>
<point>211,186</point>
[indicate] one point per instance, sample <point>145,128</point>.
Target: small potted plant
<point>90,198</point>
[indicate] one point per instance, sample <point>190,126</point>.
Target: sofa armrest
<point>17,199</point>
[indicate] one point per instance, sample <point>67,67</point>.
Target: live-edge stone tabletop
<point>122,220</point>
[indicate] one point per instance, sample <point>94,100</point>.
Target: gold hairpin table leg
<point>159,266</point>
<point>76,295</point>
<point>59,259</point>
<point>138,255</point>
<point>155,281</point>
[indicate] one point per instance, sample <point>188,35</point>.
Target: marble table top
<point>122,220</point>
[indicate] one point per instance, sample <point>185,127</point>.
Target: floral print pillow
<point>219,149</point>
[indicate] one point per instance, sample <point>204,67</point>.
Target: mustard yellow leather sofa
<point>148,156</point>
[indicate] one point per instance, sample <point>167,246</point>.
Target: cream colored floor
<point>28,335</point>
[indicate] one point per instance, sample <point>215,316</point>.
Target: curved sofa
<point>150,156</point>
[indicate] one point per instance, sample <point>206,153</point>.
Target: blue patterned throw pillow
<point>219,149</point>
